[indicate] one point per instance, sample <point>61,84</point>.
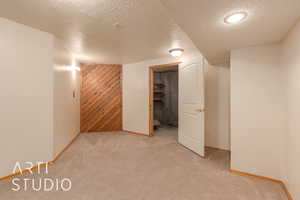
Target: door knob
<point>201,110</point>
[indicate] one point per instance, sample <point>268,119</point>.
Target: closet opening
<point>164,100</point>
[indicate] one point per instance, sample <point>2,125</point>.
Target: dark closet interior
<point>166,97</point>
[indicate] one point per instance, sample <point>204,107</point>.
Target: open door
<point>191,106</point>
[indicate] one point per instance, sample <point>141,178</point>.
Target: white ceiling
<point>203,20</point>
<point>87,27</point>
<point>148,28</point>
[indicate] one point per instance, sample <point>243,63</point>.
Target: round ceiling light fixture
<point>176,52</point>
<point>235,18</point>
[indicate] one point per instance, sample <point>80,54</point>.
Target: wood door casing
<point>151,91</point>
<point>101,98</point>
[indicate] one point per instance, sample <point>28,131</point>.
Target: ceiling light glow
<point>176,52</point>
<point>235,18</point>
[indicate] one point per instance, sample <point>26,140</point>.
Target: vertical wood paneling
<point>101,98</point>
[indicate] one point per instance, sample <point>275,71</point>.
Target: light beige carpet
<point>120,166</point>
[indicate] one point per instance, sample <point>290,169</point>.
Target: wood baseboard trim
<point>255,176</point>
<point>63,151</point>
<point>26,171</point>
<point>42,165</point>
<point>218,149</point>
<point>135,133</point>
<point>265,179</point>
<point>289,195</point>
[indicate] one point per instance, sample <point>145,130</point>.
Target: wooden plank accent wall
<point>101,98</point>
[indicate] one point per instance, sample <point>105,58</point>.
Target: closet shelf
<point>159,85</point>
<point>159,91</point>
<point>158,99</point>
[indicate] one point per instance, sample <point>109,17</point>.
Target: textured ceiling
<point>149,28</point>
<point>87,27</point>
<point>203,21</point>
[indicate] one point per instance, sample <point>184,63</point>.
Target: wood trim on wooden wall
<point>151,90</point>
<point>101,98</point>
<point>265,179</point>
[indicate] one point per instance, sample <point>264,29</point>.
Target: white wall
<point>26,105</point>
<point>136,93</point>
<point>291,63</point>
<point>135,87</point>
<point>217,100</point>
<point>38,114</point>
<point>266,94</point>
<point>258,111</point>
<point>66,108</point>
<point>217,105</point>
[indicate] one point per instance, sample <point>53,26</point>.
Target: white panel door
<point>191,106</point>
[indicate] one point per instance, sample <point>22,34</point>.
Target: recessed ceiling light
<point>176,52</point>
<point>235,18</point>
